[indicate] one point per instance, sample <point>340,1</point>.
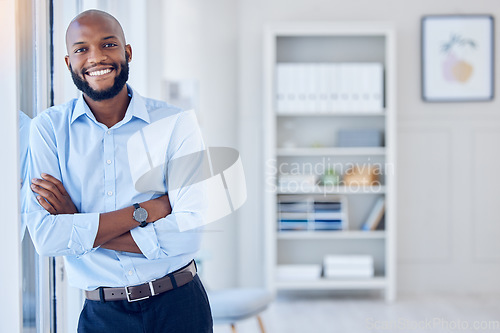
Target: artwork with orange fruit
<point>457,58</point>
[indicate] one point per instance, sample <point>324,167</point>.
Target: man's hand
<point>52,195</point>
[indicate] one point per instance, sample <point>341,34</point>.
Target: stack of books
<point>329,87</point>
<point>301,214</point>
<point>329,216</point>
<point>348,266</point>
<point>293,215</point>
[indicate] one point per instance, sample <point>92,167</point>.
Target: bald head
<point>93,18</point>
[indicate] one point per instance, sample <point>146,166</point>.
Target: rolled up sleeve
<point>63,235</point>
<point>54,235</point>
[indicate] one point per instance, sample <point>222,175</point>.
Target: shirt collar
<point>136,108</point>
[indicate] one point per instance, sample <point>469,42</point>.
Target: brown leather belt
<point>145,290</point>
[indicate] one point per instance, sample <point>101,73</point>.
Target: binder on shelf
<point>281,88</point>
<point>323,88</point>
<point>376,215</point>
<point>347,259</point>
<point>300,82</point>
<point>311,83</point>
<point>346,87</point>
<point>329,87</point>
<point>348,266</point>
<point>333,82</point>
<point>373,87</point>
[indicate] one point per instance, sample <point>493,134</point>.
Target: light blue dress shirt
<point>67,142</point>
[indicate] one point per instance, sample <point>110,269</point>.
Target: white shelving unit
<point>314,143</point>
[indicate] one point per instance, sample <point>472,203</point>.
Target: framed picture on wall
<point>457,58</point>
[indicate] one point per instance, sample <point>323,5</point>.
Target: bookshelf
<point>301,135</point>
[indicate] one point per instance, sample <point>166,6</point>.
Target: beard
<point>100,95</point>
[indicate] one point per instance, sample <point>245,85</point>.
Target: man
<point>120,245</point>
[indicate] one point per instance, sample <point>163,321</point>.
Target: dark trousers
<point>184,309</point>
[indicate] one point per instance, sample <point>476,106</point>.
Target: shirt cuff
<point>84,232</point>
<point>146,240</point>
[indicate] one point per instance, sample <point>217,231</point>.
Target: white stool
<point>231,305</point>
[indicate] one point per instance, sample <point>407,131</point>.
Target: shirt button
<point>108,161</point>
<point>130,272</point>
<point>110,193</point>
<point>109,132</point>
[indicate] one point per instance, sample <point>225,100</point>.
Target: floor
<point>357,314</point>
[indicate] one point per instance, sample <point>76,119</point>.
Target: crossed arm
<point>114,227</point>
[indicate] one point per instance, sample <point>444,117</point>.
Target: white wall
<point>200,42</point>
<point>447,221</point>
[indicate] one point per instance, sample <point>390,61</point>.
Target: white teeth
<point>101,72</point>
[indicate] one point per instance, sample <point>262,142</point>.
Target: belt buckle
<point>127,293</point>
<point>152,288</point>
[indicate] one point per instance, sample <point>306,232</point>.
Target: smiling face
<point>97,55</point>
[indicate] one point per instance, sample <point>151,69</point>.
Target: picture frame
<point>457,58</point>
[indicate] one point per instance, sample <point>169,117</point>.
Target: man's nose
<point>96,55</point>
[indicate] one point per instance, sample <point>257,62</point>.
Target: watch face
<point>140,214</point>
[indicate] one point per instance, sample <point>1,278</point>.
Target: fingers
<point>56,183</point>
<point>52,195</point>
<point>48,186</point>
<point>46,194</point>
<point>48,207</point>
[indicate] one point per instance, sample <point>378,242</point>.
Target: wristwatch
<point>140,215</point>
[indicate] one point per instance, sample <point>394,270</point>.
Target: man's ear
<point>128,51</point>
<point>66,59</point>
